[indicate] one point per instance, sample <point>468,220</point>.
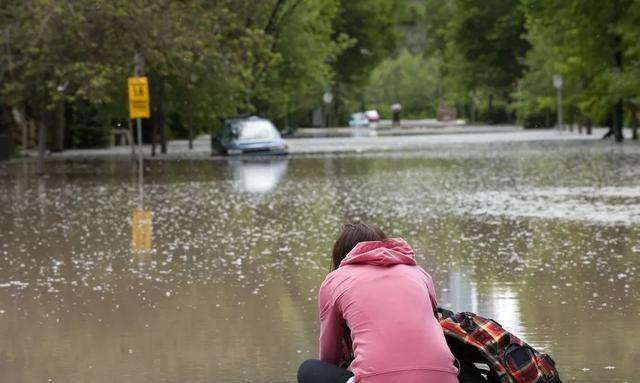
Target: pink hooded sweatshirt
<point>387,301</point>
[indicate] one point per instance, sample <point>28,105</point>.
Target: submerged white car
<point>358,120</point>
<point>251,135</point>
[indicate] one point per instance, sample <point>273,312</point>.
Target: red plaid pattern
<point>512,360</point>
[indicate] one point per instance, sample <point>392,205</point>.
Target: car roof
<point>245,118</point>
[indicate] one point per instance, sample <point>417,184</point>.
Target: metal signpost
<point>557,83</point>
<point>139,108</point>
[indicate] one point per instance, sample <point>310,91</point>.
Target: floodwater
<point>542,237</point>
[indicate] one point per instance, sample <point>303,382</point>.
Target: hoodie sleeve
<point>331,326</point>
<point>431,288</point>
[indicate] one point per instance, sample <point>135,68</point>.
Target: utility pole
<point>557,83</point>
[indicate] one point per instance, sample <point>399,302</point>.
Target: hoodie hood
<point>392,251</point>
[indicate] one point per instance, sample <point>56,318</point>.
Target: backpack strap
<point>444,313</point>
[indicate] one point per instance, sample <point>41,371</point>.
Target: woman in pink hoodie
<point>379,298</point>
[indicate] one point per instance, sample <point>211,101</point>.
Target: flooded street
<point>542,237</point>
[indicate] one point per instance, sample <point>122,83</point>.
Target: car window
<point>230,131</point>
<point>255,130</point>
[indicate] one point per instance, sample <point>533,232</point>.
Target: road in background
<point>360,140</point>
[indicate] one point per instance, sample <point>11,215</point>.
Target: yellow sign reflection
<point>141,230</point>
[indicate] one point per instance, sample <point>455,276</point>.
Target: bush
<point>86,127</point>
<point>499,115</point>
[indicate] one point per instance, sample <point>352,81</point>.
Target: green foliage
<point>508,51</point>
<point>578,40</point>
<point>370,25</point>
<point>305,50</point>
<point>413,80</point>
<point>368,28</point>
<point>208,59</point>
<point>484,44</point>
<point>91,126</point>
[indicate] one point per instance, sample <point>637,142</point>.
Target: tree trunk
<point>490,112</point>
<point>589,126</point>
<point>618,109</point>
<point>6,134</point>
<point>617,122</point>
<point>160,115</point>
<point>154,130</point>
<point>634,121</point>
<point>24,130</point>
<point>57,134</point>
<point>570,123</point>
<point>42,146</point>
<point>547,119</point>
<point>163,128</point>
<point>473,112</point>
<point>24,124</point>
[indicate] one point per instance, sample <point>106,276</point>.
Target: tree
<point>369,29</point>
<point>593,86</point>
<point>414,74</point>
<point>305,50</point>
<point>79,52</point>
<point>412,79</point>
<point>484,47</point>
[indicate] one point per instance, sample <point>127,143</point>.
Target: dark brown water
<point>544,238</point>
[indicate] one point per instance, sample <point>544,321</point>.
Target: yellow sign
<point>141,230</point>
<point>139,98</point>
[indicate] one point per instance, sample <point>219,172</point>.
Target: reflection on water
<point>258,175</point>
<point>496,301</point>
<point>364,132</point>
<point>141,232</point>
<point>230,292</point>
<point>141,219</point>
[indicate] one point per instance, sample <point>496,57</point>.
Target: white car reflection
<point>257,175</point>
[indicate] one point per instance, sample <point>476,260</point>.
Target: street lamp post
<point>557,83</point>
<point>327,98</point>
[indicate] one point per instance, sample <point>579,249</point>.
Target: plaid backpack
<point>476,341</point>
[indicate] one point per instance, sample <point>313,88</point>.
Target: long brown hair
<point>350,236</point>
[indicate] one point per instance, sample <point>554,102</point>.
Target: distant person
<point>377,316</point>
<point>396,108</point>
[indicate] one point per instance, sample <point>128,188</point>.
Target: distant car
<point>372,115</point>
<point>358,120</point>
<point>250,135</point>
